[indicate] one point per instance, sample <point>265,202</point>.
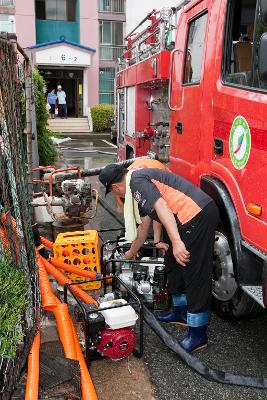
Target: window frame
<point>112,25</point>
<point>194,18</point>
<point>112,7</point>
<point>110,79</point>
<point>56,19</point>
<point>101,23</point>
<point>225,49</point>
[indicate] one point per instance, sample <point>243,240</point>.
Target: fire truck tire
<point>230,302</point>
<point>241,305</point>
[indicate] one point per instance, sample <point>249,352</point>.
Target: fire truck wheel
<point>229,301</point>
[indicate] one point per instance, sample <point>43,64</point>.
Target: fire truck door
<point>240,123</point>
<point>187,90</point>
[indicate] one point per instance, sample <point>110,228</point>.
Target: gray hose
<point>198,366</point>
<point>107,207</point>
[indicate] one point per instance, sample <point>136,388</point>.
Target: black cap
<point>112,173</point>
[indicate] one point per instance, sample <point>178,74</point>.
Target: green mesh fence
<point>16,241</point>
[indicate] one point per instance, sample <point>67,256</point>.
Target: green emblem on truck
<point>240,142</point>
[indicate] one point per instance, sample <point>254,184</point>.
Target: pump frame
<point>135,303</point>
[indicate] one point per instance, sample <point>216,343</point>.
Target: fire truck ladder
<point>156,37</point>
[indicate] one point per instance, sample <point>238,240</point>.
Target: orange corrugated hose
<point>61,278</point>
<point>4,219</point>
<point>66,330</point>
<point>70,268</point>
<point>64,327</point>
<point>4,239</point>
<point>70,342</point>
<point>88,389</point>
<point>49,300</point>
<point>46,242</point>
<point>32,385</point>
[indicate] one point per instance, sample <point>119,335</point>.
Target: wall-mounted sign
<point>62,55</point>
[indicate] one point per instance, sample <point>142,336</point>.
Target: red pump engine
<point>117,343</point>
<point>109,330</point>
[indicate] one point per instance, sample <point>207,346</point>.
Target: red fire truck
<point>216,75</point>
<point>142,112</point>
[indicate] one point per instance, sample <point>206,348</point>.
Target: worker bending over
<point>157,227</point>
<point>189,217</point>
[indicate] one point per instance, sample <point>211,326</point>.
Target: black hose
<point>96,171</point>
<point>107,207</point>
<point>197,365</point>
<point>38,243</point>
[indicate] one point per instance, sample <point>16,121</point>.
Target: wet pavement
<point>237,347</point>
<point>87,153</point>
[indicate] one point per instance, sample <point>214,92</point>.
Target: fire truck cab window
<point>244,28</point>
<point>195,50</point>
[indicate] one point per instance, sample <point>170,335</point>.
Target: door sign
<point>240,142</point>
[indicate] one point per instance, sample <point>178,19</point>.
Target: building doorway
<point>71,81</point>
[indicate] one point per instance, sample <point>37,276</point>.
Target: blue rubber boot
<point>196,338</point>
<point>178,313</point>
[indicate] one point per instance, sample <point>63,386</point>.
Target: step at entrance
<point>69,125</point>
<point>255,292</point>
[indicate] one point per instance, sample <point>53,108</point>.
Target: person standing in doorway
<point>62,105</point>
<point>51,100</point>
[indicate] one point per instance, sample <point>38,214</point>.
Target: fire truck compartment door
<point>187,91</point>
<point>130,111</point>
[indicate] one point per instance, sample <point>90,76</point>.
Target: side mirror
<point>263,6</point>
<point>263,58</point>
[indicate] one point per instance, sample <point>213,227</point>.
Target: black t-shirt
<point>183,198</point>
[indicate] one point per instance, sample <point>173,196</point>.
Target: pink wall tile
<point>25,22</point>
<point>89,32</point>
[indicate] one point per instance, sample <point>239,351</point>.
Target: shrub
<point>46,148</point>
<point>102,115</point>
<point>13,305</point>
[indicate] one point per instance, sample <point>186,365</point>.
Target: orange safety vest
<point>139,164</point>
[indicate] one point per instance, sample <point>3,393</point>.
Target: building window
<point>59,10</point>
<point>106,85</point>
<point>7,23</point>
<point>111,32</point>
<point>111,6</point>
<point>7,3</point>
<point>111,39</point>
<point>195,50</point>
